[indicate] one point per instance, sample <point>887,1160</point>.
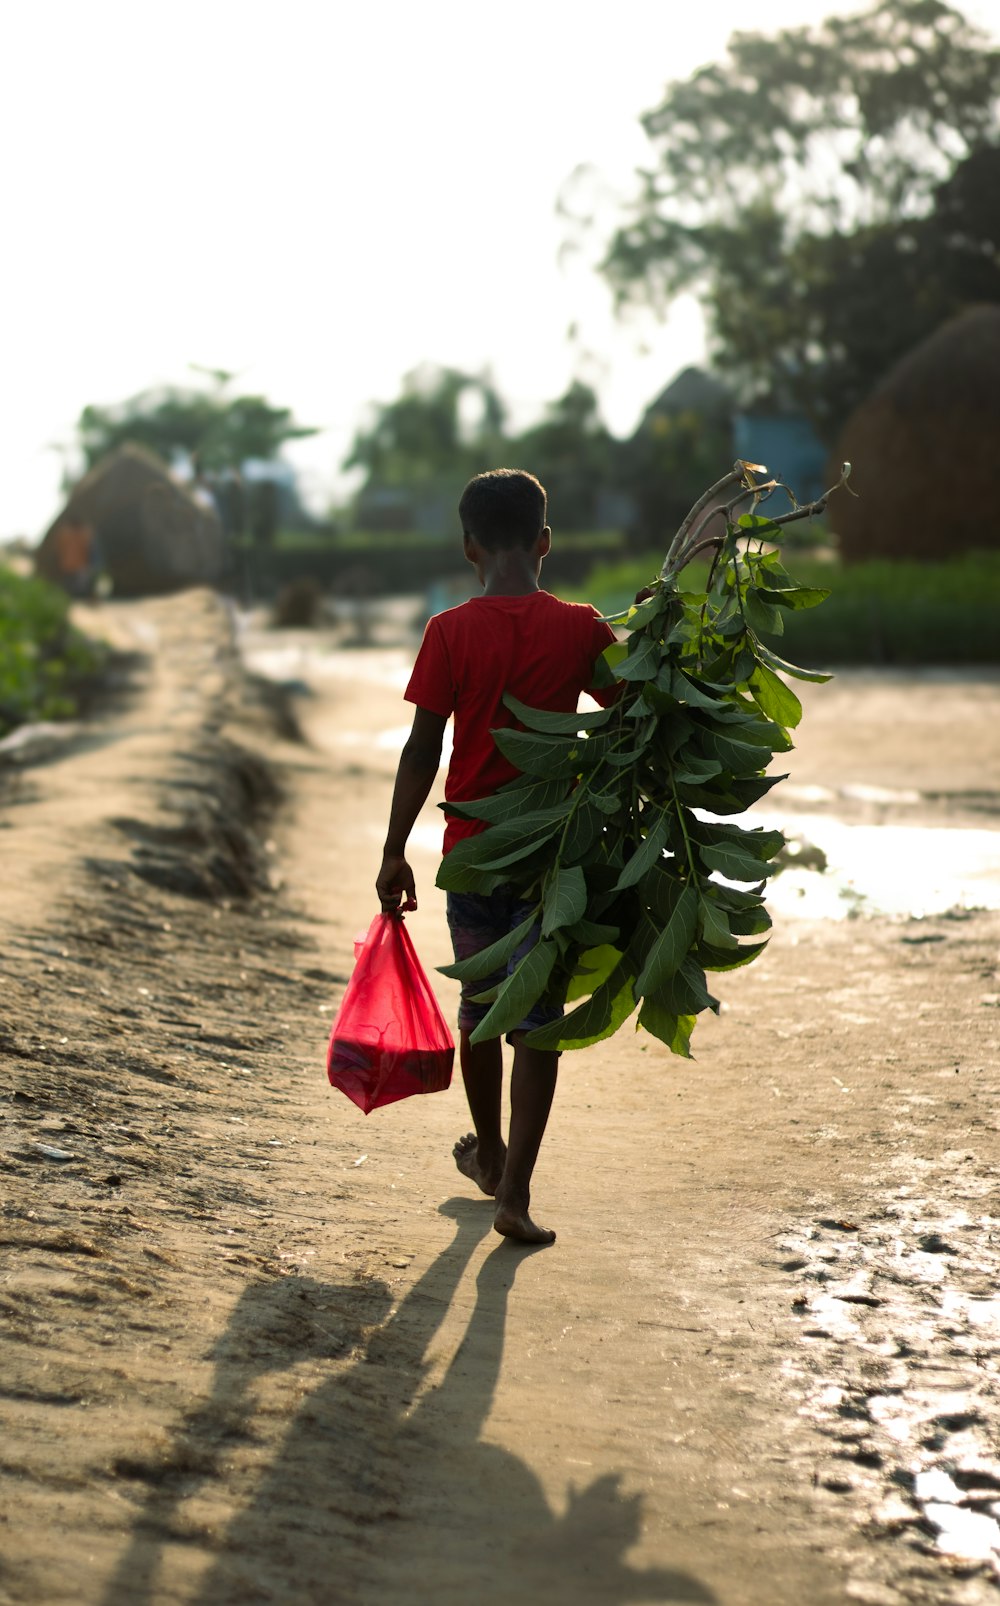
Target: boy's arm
<point>418,765</point>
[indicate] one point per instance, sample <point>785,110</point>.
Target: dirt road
<point>258,1347</point>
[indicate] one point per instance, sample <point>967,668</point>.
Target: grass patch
<point>44,660</point>
<point>877,613</point>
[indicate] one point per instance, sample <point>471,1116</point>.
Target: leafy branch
<point>620,828</point>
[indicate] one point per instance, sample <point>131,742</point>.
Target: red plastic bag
<point>389,1039</point>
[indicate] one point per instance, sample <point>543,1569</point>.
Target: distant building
<point>923,449</point>
<point>149,533</point>
<point>788,447</point>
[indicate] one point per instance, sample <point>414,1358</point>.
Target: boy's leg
<point>475,922</point>
<point>480,1155</point>
<point>532,1086</point>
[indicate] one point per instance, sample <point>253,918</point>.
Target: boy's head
<point>503,509</point>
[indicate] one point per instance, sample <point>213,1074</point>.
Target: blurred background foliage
<point>830,194</point>
<point>46,664</point>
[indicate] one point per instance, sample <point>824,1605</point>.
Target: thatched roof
<point>692,391</point>
<point>924,449</point>
<point>151,533</point>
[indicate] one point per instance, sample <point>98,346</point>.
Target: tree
<point>215,431</point>
<point>442,428</point>
<point>830,193</point>
<point>572,454</point>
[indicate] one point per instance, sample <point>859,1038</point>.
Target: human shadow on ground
<point>274,1325</point>
<point>374,1499</point>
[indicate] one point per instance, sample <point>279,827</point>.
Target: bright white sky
<point>321,196</point>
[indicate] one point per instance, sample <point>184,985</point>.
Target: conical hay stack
<point>151,534</point>
<point>924,450</point>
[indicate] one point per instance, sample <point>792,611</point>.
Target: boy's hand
<point>395,885</point>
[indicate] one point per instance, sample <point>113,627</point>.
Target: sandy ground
<point>259,1347</point>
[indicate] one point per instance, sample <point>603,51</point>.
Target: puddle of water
<point>888,869</point>
<point>903,870</point>
<point>965,1533</point>
<point>306,660</point>
<point>972,1534</point>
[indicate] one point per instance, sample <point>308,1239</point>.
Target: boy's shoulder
<point>476,611</point>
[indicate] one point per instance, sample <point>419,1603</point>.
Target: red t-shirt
<point>536,647</point>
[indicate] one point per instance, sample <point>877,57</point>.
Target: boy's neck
<point>510,571</point>
<point>510,574</point>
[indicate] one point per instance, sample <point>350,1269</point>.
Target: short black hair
<point>503,508</point>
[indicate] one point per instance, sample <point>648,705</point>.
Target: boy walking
<point>514,638</point>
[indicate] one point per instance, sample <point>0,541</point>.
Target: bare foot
<point>513,1221</point>
<point>466,1152</point>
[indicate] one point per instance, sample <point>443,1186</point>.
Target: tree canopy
<point>830,193</point>
<point>215,430</point>
<point>446,425</point>
<point>438,428</point>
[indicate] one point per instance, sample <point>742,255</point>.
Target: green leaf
<point>735,898</point>
<point>772,659</point>
<point>643,659</point>
<point>591,933</point>
<point>607,802</point>
<point>565,899</point>
<point>747,839</point>
<point>761,614</point>
<point>673,1030</point>
<point>541,719</point>
<point>594,967</point>
<point>671,946</point>
<point>608,1007</point>
<point>643,736</point>
<point>659,890</point>
<point>750,923</point>
<point>693,767</point>
<point>685,992</point>
<point>798,597</point>
<point>582,831</point>
<point>519,993</point>
<point>644,613</point>
<point>642,707</point>
<point>728,958</point>
<point>686,629</point>
<point>647,853</point>
<point>774,698</point>
<point>731,862</point>
<point>454,876</point>
<point>687,690</point>
<point>487,960</point>
<point>714,925</point>
<point>749,791</point>
<point>512,803</point>
<point>554,757</point>
<point>738,758</point>
<point>501,845</point>
<point>763,528</point>
<point>610,659</point>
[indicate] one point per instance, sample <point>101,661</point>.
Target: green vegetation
<point>44,660</point>
<point>216,430</point>
<point>877,613</point>
<point>829,194</point>
<point>617,827</point>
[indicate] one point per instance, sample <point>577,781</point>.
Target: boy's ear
<point>545,542</point>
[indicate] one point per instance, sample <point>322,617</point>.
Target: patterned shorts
<point>476,920</point>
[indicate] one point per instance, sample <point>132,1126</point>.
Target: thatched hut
<point>150,534</point>
<point>924,450</point>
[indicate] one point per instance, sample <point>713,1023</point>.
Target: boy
<point>515,638</point>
